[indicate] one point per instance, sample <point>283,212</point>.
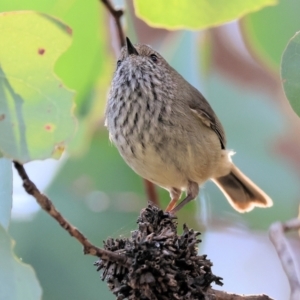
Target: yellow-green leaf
<point>191,14</point>
<point>36,110</point>
<point>290,72</point>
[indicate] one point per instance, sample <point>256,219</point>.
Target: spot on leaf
<point>49,127</point>
<point>69,30</point>
<point>41,51</point>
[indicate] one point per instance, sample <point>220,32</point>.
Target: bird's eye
<point>118,63</point>
<point>153,57</point>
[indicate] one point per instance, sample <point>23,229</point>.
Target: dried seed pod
<point>164,265</point>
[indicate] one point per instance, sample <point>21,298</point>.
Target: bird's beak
<point>130,48</point>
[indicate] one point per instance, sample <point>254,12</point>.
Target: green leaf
<point>35,108</point>
<point>290,72</point>
<point>88,57</point>
<point>268,31</point>
<point>88,64</point>
<point>17,280</point>
<point>5,192</point>
<point>178,14</point>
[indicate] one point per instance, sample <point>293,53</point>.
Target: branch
<point>47,205</point>
<point>116,14</point>
<point>151,192</point>
<point>281,245</point>
<point>106,255</point>
<point>220,295</point>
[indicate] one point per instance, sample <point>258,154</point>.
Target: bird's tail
<point>241,192</point>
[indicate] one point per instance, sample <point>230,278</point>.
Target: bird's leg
<point>175,196</point>
<point>192,192</point>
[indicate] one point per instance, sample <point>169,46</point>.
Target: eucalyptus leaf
<point>36,110</point>
<point>191,14</point>
<point>17,280</point>
<point>290,72</point>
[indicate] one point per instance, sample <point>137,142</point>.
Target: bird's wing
<point>202,109</point>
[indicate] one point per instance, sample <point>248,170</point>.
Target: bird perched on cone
<point>167,132</point>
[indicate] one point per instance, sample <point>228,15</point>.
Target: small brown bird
<point>168,133</point>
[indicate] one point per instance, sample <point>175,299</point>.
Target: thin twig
<point>281,245</point>
<point>116,14</point>
<point>48,206</point>
<point>220,295</point>
<point>151,192</point>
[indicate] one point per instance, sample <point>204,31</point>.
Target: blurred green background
<point>237,68</point>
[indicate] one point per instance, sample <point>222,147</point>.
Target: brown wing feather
<point>202,109</point>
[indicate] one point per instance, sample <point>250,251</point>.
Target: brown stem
<point>151,192</point>
<point>116,14</point>
<point>281,245</point>
<point>47,205</point>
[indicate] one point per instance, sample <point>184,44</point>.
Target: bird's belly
<point>151,165</point>
<point>171,163</point>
